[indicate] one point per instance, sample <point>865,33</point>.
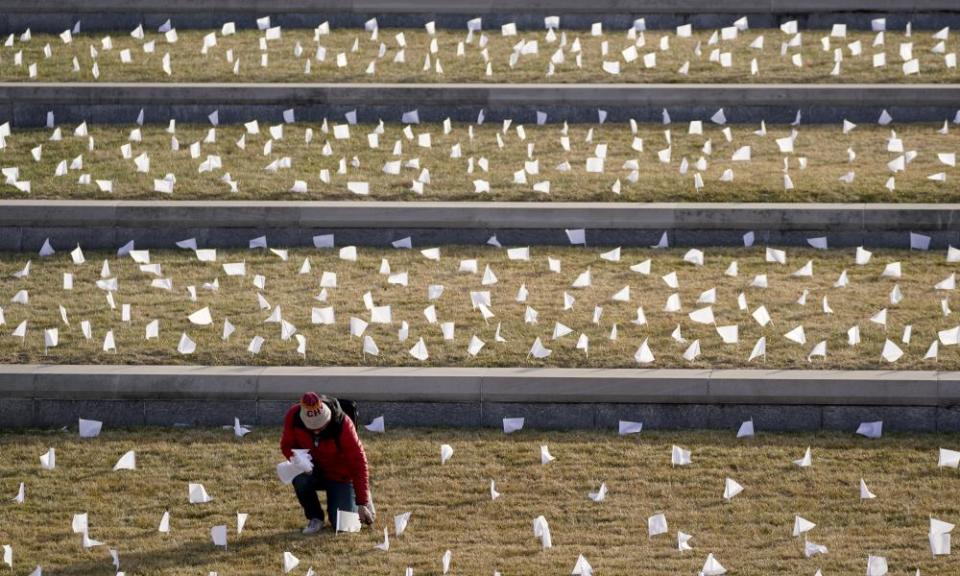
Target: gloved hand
<point>367,515</point>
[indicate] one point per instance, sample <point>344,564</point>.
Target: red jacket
<point>343,461</point>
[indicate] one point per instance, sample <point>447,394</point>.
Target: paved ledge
<point>41,395</point>
<point>478,7</point>
<point>26,224</point>
<point>498,385</point>
<point>55,16</point>
<point>413,214</point>
<point>487,95</point>
<point>27,103</point>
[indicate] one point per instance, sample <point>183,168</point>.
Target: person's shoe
<point>314,526</point>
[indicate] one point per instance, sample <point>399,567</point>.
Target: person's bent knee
<point>302,481</point>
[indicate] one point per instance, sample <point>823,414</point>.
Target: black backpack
<point>351,409</point>
<point>342,406</point>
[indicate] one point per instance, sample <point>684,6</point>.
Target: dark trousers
<point>340,496</point>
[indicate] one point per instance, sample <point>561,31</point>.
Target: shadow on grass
<point>194,554</point>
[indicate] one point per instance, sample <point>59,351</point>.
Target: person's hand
<point>367,515</point>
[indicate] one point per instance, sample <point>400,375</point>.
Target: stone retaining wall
<point>27,103</point>
<point>56,16</point>
<point>54,396</point>
<point>24,225</point>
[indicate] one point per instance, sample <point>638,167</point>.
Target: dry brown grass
<point>751,535</point>
<point>331,345</point>
<point>760,180</point>
<point>189,65</point>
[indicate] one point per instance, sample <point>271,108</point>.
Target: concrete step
<point>96,224</point>
<point>56,16</point>
<point>35,395</point>
<point>27,103</point>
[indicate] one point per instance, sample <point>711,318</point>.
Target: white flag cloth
<point>400,522</point>
<point>152,330</point>
<point>801,525</point>
<point>582,567</point>
<point>703,315</point>
<point>80,523</point>
<point>777,256</point>
<point>48,461</point>
<point>475,345</point>
<point>288,470</point>
<point>90,428</point>
<point>238,430</point>
<point>541,530</point>
<point>127,462</point>
<point>865,493</point>
<point>729,334</point>
<point>578,236</point>
<point>89,542</point>
<point>940,537</point>
<point>219,535</point>
<point>201,317</point>
<point>891,352</point>
<point>948,459</point>
<point>51,337</point>
<point>446,451</point>
<point>419,350</point>
<point>447,557</point>
<point>811,549</point>
<point>545,456</point>
<point>644,355</point>
<point>385,545</point>
<point>612,255</point>
<point>77,255</point>
<point>694,256</point>
<point>511,425</point>
<point>876,565</point>
<point>560,330</point>
<point>656,525</point>
<point>289,562</point>
<point>679,456</point>
<point>731,488</point>
<point>583,280</point>
<point>600,494</point>
<point>357,326</point>
<point>871,429</point>
<point>186,345</point>
<point>761,315</point>
<point>796,335</point>
<point>712,567</point>
<point>746,429</point>
<point>377,425</point>
<point>627,427</point>
<point>198,494</point>
<point>347,521</point>
<point>538,350</point>
<point>759,349</point>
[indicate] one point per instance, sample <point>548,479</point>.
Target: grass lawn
<point>326,165</point>
<point>288,57</point>
<point>452,510</point>
<point>293,296</point>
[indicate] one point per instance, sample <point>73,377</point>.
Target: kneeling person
<point>318,424</point>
